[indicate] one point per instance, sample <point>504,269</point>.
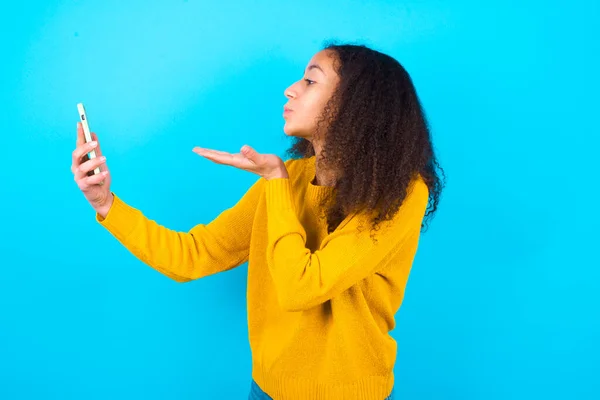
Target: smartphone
<point>88,137</point>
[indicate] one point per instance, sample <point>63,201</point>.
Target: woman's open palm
<point>266,165</point>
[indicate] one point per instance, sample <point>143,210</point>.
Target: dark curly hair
<point>376,138</point>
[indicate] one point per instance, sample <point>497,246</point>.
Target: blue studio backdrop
<point>502,301</point>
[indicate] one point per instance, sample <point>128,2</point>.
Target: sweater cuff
<point>278,193</point>
<point>121,218</point>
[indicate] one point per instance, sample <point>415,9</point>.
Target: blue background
<point>502,302</point>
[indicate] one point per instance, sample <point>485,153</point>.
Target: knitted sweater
<point>320,306</point>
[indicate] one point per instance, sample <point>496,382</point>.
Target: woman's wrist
<point>280,173</point>
<point>104,208</point>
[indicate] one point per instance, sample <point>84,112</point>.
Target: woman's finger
<point>98,148</point>
<point>217,151</point>
<point>80,135</point>
<point>202,151</point>
<point>82,150</point>
<point>251,154</point>
<point>234,160</point>
<point>86,183</point>
<point>90,165</point>
<point>214,155</point>
<point>220,158</point>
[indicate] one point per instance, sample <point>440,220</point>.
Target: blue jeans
<point>256,393</point>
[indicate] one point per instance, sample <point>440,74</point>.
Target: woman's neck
<point>321,180</point>
<point>323,176</point>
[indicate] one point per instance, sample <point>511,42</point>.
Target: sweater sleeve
<point>184,256</point>
<point>304,279</point>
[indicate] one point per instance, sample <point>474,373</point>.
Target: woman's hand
<point>95,188</point>
<point>269,166</point>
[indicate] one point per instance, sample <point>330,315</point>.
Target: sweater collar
<point>315,193</point>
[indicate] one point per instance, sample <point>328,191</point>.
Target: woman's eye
<point>309,81</point>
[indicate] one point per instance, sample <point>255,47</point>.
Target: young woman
<point>329,235</point>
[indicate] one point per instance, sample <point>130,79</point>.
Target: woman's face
<point>308,96</point>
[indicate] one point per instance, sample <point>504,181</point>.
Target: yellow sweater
<point>320,307</point>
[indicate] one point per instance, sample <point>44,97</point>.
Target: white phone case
<point>86,133</point>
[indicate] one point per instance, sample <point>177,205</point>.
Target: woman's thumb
<point>249,152</point>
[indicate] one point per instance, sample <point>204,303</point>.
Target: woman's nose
<point>289,93</point>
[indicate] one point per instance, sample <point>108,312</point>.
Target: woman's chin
<point>290,131</point>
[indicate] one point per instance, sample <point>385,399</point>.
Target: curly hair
<point>376,138</point>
